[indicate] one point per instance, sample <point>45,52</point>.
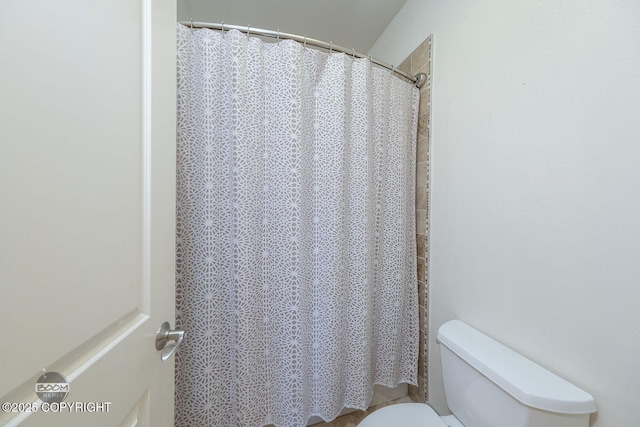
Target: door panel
<point>87,190</point>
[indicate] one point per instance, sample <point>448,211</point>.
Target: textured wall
<point>535,184</point>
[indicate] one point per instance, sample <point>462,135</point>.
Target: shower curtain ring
<point>353,53</point>
<point>248,30</point>
<point>330,47</point>
<point>191,22</point>
<point>222,27</point>
<point>278,39</point>
<point>305,41</point>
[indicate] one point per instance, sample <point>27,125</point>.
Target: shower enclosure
<point>296,250</point>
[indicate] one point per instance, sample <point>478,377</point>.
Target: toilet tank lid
<point>526,381</point>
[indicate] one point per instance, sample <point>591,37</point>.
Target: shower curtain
<point>296,258</point>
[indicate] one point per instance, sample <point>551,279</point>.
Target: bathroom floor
<point>352,419</point>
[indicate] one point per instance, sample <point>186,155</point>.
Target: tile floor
<point>352,419</point>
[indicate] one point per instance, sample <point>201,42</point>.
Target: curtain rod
<point>419,79</point>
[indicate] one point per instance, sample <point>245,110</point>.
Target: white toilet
<point>489,385</point>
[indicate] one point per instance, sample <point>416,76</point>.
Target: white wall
<point>184,14</point>
<point>535,204</point>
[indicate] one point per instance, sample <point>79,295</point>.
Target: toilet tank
<point>489,385</point>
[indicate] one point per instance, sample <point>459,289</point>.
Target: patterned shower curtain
<point>296,257</point>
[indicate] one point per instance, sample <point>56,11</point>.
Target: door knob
<point>166,334</point>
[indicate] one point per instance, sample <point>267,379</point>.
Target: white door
<point>87,206</point>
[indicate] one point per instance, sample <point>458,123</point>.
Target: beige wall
<point>535,183</point>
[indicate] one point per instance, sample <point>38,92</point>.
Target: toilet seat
<point>405,415</point>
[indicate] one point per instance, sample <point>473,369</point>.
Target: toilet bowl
<point>489,385</point>
<point>405,415</point>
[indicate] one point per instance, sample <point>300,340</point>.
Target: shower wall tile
<point>421,244</point>
<point>422,178</point>
<point>421,291</point>
<point>422,270</point>
<point>423,109</point>
<point>421,197</point>
<point>423,150</point>
<point>421,370</point>
<point>421,390</point>
<point>413,393</point>
<point>421,219</point>
<point>422,174</point>
<point>422,125</point>
<point>406,65</point>
<point>420,56</point>
<point>420,61</point>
